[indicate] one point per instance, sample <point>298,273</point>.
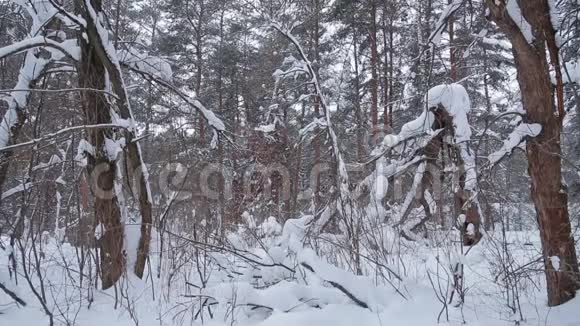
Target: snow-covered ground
<point>281,283</point>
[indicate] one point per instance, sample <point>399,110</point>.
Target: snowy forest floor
<point>504,285</point>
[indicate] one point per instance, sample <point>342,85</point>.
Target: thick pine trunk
<point>551,200</point>
<point>544,151</point>
<point>548,193</point>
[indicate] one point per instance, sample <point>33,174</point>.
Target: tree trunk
<point>100,168</point>
<point>388,68</point>
<point>374,77</point>
<point>551,199</point>
<point>199,71</point>
<point>360,122</point>
<point>543,152</point>
<point>452,58</point>
<point>97,61</point>
<point>488,222</point>
<point>470,232</point>
<point>316,140</point>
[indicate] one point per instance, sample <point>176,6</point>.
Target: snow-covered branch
<point>451,8</point>
<point>14,190</point>
<point>60,133</point>
<point>152,65</point>
<point>516,139</point>
<point>66,47</point>
<point>215,122</point>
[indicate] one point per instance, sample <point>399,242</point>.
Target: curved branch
<point>34,42</point>
<point>208,115</point>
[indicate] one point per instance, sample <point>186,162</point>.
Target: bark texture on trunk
<point>101,169</point>
<point>464,203</point>
<point>96,61</point>
<point>543,152</point>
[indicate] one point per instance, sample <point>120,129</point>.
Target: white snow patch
<point>147,63</point>
<point>266,128</point>
<point>12,191</point>
<point>515,13</point>
<point>514,140</point>
<point>571,73</point>
<point>435,36</point>
<point>455,100</point>
<point>555,15</point>
<point>555,261</point>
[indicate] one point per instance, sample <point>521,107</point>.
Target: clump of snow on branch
<point>412,128</point>
<point>571,73</point>
<point>14,190</point>
<point>555,15</point>
<point>34,65</point>
<point>210,117</point>
<point>516,138</point>
<point>555,261</point>
<point>144,62</point>
<point>515,13</point>
<point>435,36</point>
<point>455,100</point>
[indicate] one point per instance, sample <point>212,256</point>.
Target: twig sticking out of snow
<point>360,289</point>
<point>339,287</point>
